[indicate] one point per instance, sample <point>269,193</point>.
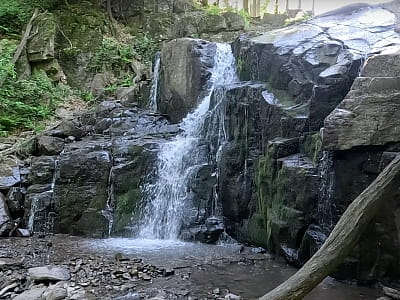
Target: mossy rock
<point>41,46</point>
<point>82,32</point>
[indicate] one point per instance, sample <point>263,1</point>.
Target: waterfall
<point>108,212</point>
<point>326,206</point>
<point>40,219</point>
<point>165,199</point>
<point>154,83</point>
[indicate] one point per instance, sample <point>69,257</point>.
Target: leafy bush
<point>14,14</point>
<point>24,102</point>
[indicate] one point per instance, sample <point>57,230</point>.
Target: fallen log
<point>23,42</point>
<point>343,237</point>
<point>25,37</point>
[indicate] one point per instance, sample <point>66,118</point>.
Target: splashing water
<point>178,161</point>
<point>154,83</point>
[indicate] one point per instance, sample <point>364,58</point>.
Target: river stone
<point>49,273</point>
<point>33,294</point>
<point>55,293</point>
<point>185,69</point>
<point>49,145</point>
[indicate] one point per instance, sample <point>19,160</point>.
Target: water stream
<point>165,199</point>
<point>154,83</point>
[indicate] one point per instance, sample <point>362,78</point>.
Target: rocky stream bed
<point>143,269</point>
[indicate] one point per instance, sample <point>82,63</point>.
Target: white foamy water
<point>154,83</point>
<point>177,161</point>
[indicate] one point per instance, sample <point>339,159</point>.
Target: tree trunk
<point>343,237</point>
<point>276,7</point>
<point>246,5</point>
<point>299,4</point>
<point>287,6</point>
<point>204,2</point>
<point>313,8</point>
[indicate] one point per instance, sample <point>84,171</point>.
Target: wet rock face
<point>316,62</point>
<point>370,112</point>
<point>95,181</point>
<point>185,69</point>
<point>5,219</point>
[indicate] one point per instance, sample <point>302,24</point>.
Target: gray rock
<point>314,66</point>
<point>126,95</point>
<point>212,23</point>
<point>5,219</point>
<point>186,65</point>
<point>71,128</point>
<point>15,202</point>
<point>234,21</point>
<point>35,293</point>
<point>392,293</point>
<point>232,296</point>
<point>49,273</point>
<point>23,232</point>
<point>9,173</point>
<point>55,293</point>
<point>49,145</point>
<point>41,46</point>
<point>100,82</point>
<point>369,113</point>
<point>41,172</point>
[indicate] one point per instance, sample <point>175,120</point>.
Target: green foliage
<point>25,102</point>
<point>111,55</point>
<point>213,10</point>
<point>14,14</point>
<point>115,56</point>
<point>7,49</point>
<point>144,48</point>
<point>292,21</point>
<point>246,17</point>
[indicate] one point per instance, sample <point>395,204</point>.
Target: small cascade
<point>108,213</point>
<point>326,205</point>
<point>216,136</point>
<point>165,200</point>
<point>42,216</point>
<point>155,82</point>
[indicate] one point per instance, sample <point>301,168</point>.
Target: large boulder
<point>185,69</point>
<point>316,62</point>
<point>370,112</point>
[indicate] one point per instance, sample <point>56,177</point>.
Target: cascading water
<point>40,219</point>
<point>326,206</point>
<point>154,83</point>
<point>177,161</point>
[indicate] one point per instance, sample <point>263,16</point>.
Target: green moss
<point>312,146</point>
<point>125,208</point>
